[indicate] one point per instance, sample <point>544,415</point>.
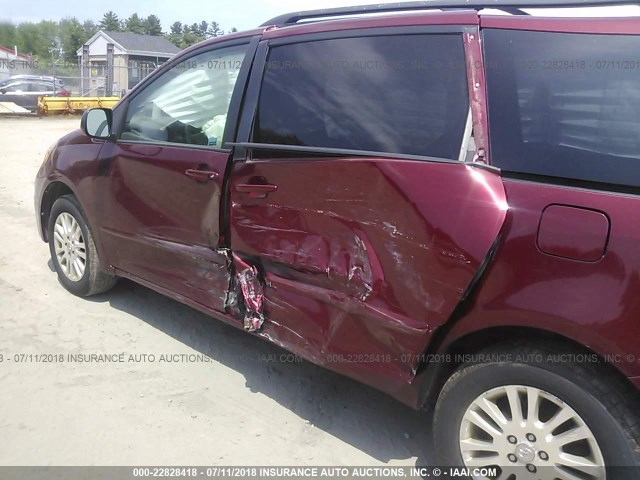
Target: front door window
<point>189,103</point>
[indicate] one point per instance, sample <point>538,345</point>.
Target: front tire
<point>73,250</point>
<point>533,416</point>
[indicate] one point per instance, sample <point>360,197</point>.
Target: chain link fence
<point>92,79</point>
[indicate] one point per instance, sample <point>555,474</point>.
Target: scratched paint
<point>363,259</point>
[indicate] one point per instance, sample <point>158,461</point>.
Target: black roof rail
<point>510,6</point>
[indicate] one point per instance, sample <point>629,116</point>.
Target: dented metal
<point>358,278</point>
<point>252,294</point>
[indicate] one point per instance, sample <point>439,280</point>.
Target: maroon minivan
<point>442,204</point>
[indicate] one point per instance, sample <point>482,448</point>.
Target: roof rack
<point>511,6</point>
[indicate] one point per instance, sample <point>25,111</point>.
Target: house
<point>13,63</point>
<point>133,57</point>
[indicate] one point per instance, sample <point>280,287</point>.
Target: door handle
<point>201,175</point>
<point>256,190</point>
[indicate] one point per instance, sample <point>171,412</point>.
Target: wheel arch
<point>436,374</point>
<point>54,190</point>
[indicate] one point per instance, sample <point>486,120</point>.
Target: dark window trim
<point>368,32</point>
<point>250,110</point>
<point>250,107</point>
<point>606,188</point>
<point>189,146</point>
<point>343,152</point>
<point>236,97</point>
<point>239,91</point>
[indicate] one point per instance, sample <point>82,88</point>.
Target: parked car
<point>25,93</point>
<point>59,84</point>
<point>441,204</point>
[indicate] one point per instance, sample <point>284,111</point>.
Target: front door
<point>356,201</point>
<point>165,177</point>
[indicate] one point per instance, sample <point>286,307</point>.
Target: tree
<point>63,39</point>
<point>175,34</point>
<point>37,39</point>
<point>190,35</point>
<point>152,26</point>
<point>183,36</point>
<point>134,24</point>
<point>72,36</point>
<point>204,28</point>
<point>110,22</point>
<point>176,28</point>
<point>189,39</point>
<point>214,30</point>
<point>90,28</point>
<point>8,34</point>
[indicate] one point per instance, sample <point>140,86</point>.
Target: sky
<point>241,14</point>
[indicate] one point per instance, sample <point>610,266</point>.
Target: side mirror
<point>96,123</point>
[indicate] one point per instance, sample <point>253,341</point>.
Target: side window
<point>403,94</point>
<point>17,87</point>
<point>188,104</point>
<point>40,87</point>
<point>564,105</point>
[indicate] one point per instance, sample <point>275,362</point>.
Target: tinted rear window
<point>565,105</point>
<point>397,94</point>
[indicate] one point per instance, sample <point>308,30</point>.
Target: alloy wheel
<point>69,246</point>
<point>529,433</point>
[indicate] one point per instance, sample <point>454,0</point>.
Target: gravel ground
<point>244,407</point>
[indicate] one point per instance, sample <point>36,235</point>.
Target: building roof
<point>136,44</point>
<point>11,51</point>
<point>143,43</point>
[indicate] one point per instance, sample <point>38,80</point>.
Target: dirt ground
<point>248,406</point>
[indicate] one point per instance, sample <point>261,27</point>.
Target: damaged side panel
<point>158,224</point>
<point>354,263</point>
<point>246,296</point>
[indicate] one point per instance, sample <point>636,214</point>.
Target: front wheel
<point>518,414</point>
<point>73,251</point>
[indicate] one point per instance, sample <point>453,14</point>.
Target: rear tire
<point>482,417</point>
<point>73,250</point>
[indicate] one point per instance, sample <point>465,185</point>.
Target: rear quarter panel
<point>593,302</point>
